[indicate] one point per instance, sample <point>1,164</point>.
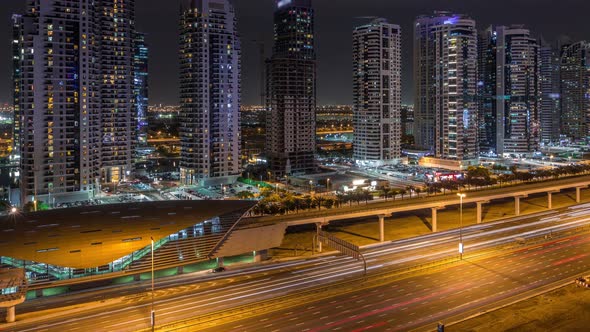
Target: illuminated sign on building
<point>283,3</point>
<point>451,21</point>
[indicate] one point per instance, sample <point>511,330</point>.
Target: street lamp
<point>287,182</point>
<point>461,196</point>
<point>328,184</point>
<point>13,210</point>
<point>310,183</point>
<point>153,312</point>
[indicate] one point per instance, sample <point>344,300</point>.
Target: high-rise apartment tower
<point>445,78</point>
<point>291,90</point>
<point>509,91</point>
<point>75,101</point>
<point>575,89</point>
<point>550,112</point>
<point>376,52</point>
<point>209,93</point>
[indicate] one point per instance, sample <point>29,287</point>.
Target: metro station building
<point>83,244</point>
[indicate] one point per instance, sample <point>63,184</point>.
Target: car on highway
<point>218,269</point>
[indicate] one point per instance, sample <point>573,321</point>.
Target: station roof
<point>91,236</point>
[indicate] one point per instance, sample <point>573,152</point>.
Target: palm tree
<point>307,201</point>
<point>402,192</point>
<point>409,189</point>
<point>318,201</point>
<point>288,203</point>
<point>386,191</point>
<point>262,207</point>
<point>366,195</point>
<point>339,199</point>
<point>394,193</point>
<point>418,190</point>
<point>297,202</point>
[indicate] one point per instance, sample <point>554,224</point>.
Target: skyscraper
<point>291,90</point>
<point>209,93</point>
<point>17,39</point>
<point>140,81</point>
<point>509,91</point>
<point>117,33</point>
<point>376,52</point>
<point>445,78</point>
<point>575,89</point>
<point>76,96</point>
<point>550,112</point>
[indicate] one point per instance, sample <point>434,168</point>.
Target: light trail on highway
<point>419,302</point>
<point>183,297</point>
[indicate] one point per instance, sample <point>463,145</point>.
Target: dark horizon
<point>333,37</point>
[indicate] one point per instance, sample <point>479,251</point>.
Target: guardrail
<point>482,193</point>
<point>357,283</point>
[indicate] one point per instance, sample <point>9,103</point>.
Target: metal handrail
<point>226,235</point>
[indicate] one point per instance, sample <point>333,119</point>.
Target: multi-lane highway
<point>384,298</point>
<point>444,295</point>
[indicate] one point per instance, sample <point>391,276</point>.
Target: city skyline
<point>334,43</point>
<point>445,151</point>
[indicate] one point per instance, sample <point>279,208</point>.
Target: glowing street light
<point>153,312</point>
<point>328,184</point>
<point>461,196</point>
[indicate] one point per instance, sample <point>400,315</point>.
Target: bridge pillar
<point>517,205</point>
<point>381,227</point>
<point>578,194</point>
<point>318,229</point>
<point>479,211</point>
<point>549,200</point>
<point>434,221</point>
<point>219,261</point>
<point>10,315</point>
<point>260,255</point>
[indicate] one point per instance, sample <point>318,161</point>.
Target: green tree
<point>402,192</point>
<point>329,203</point>
<point>385,192</point>
<point>245,195</point>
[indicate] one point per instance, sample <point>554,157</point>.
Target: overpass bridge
<point>436,203</point>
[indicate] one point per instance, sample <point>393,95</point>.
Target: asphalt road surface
<point>415,301</point>
<point>422,301</point>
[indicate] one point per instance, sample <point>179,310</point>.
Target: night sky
<point>335,20</point>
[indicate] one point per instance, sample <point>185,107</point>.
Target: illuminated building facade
<point>445,78</point>
<point>291,90</point>
<point>17,39</point>
<point>76,99</point>
<point>575,90</point>
<point>509,91</point>
<point>209,93</point>
<point>550,111</point>
<point>377,92</point>
<point>59,99</point>
<point>116,20</point>
<point>140,81</point>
